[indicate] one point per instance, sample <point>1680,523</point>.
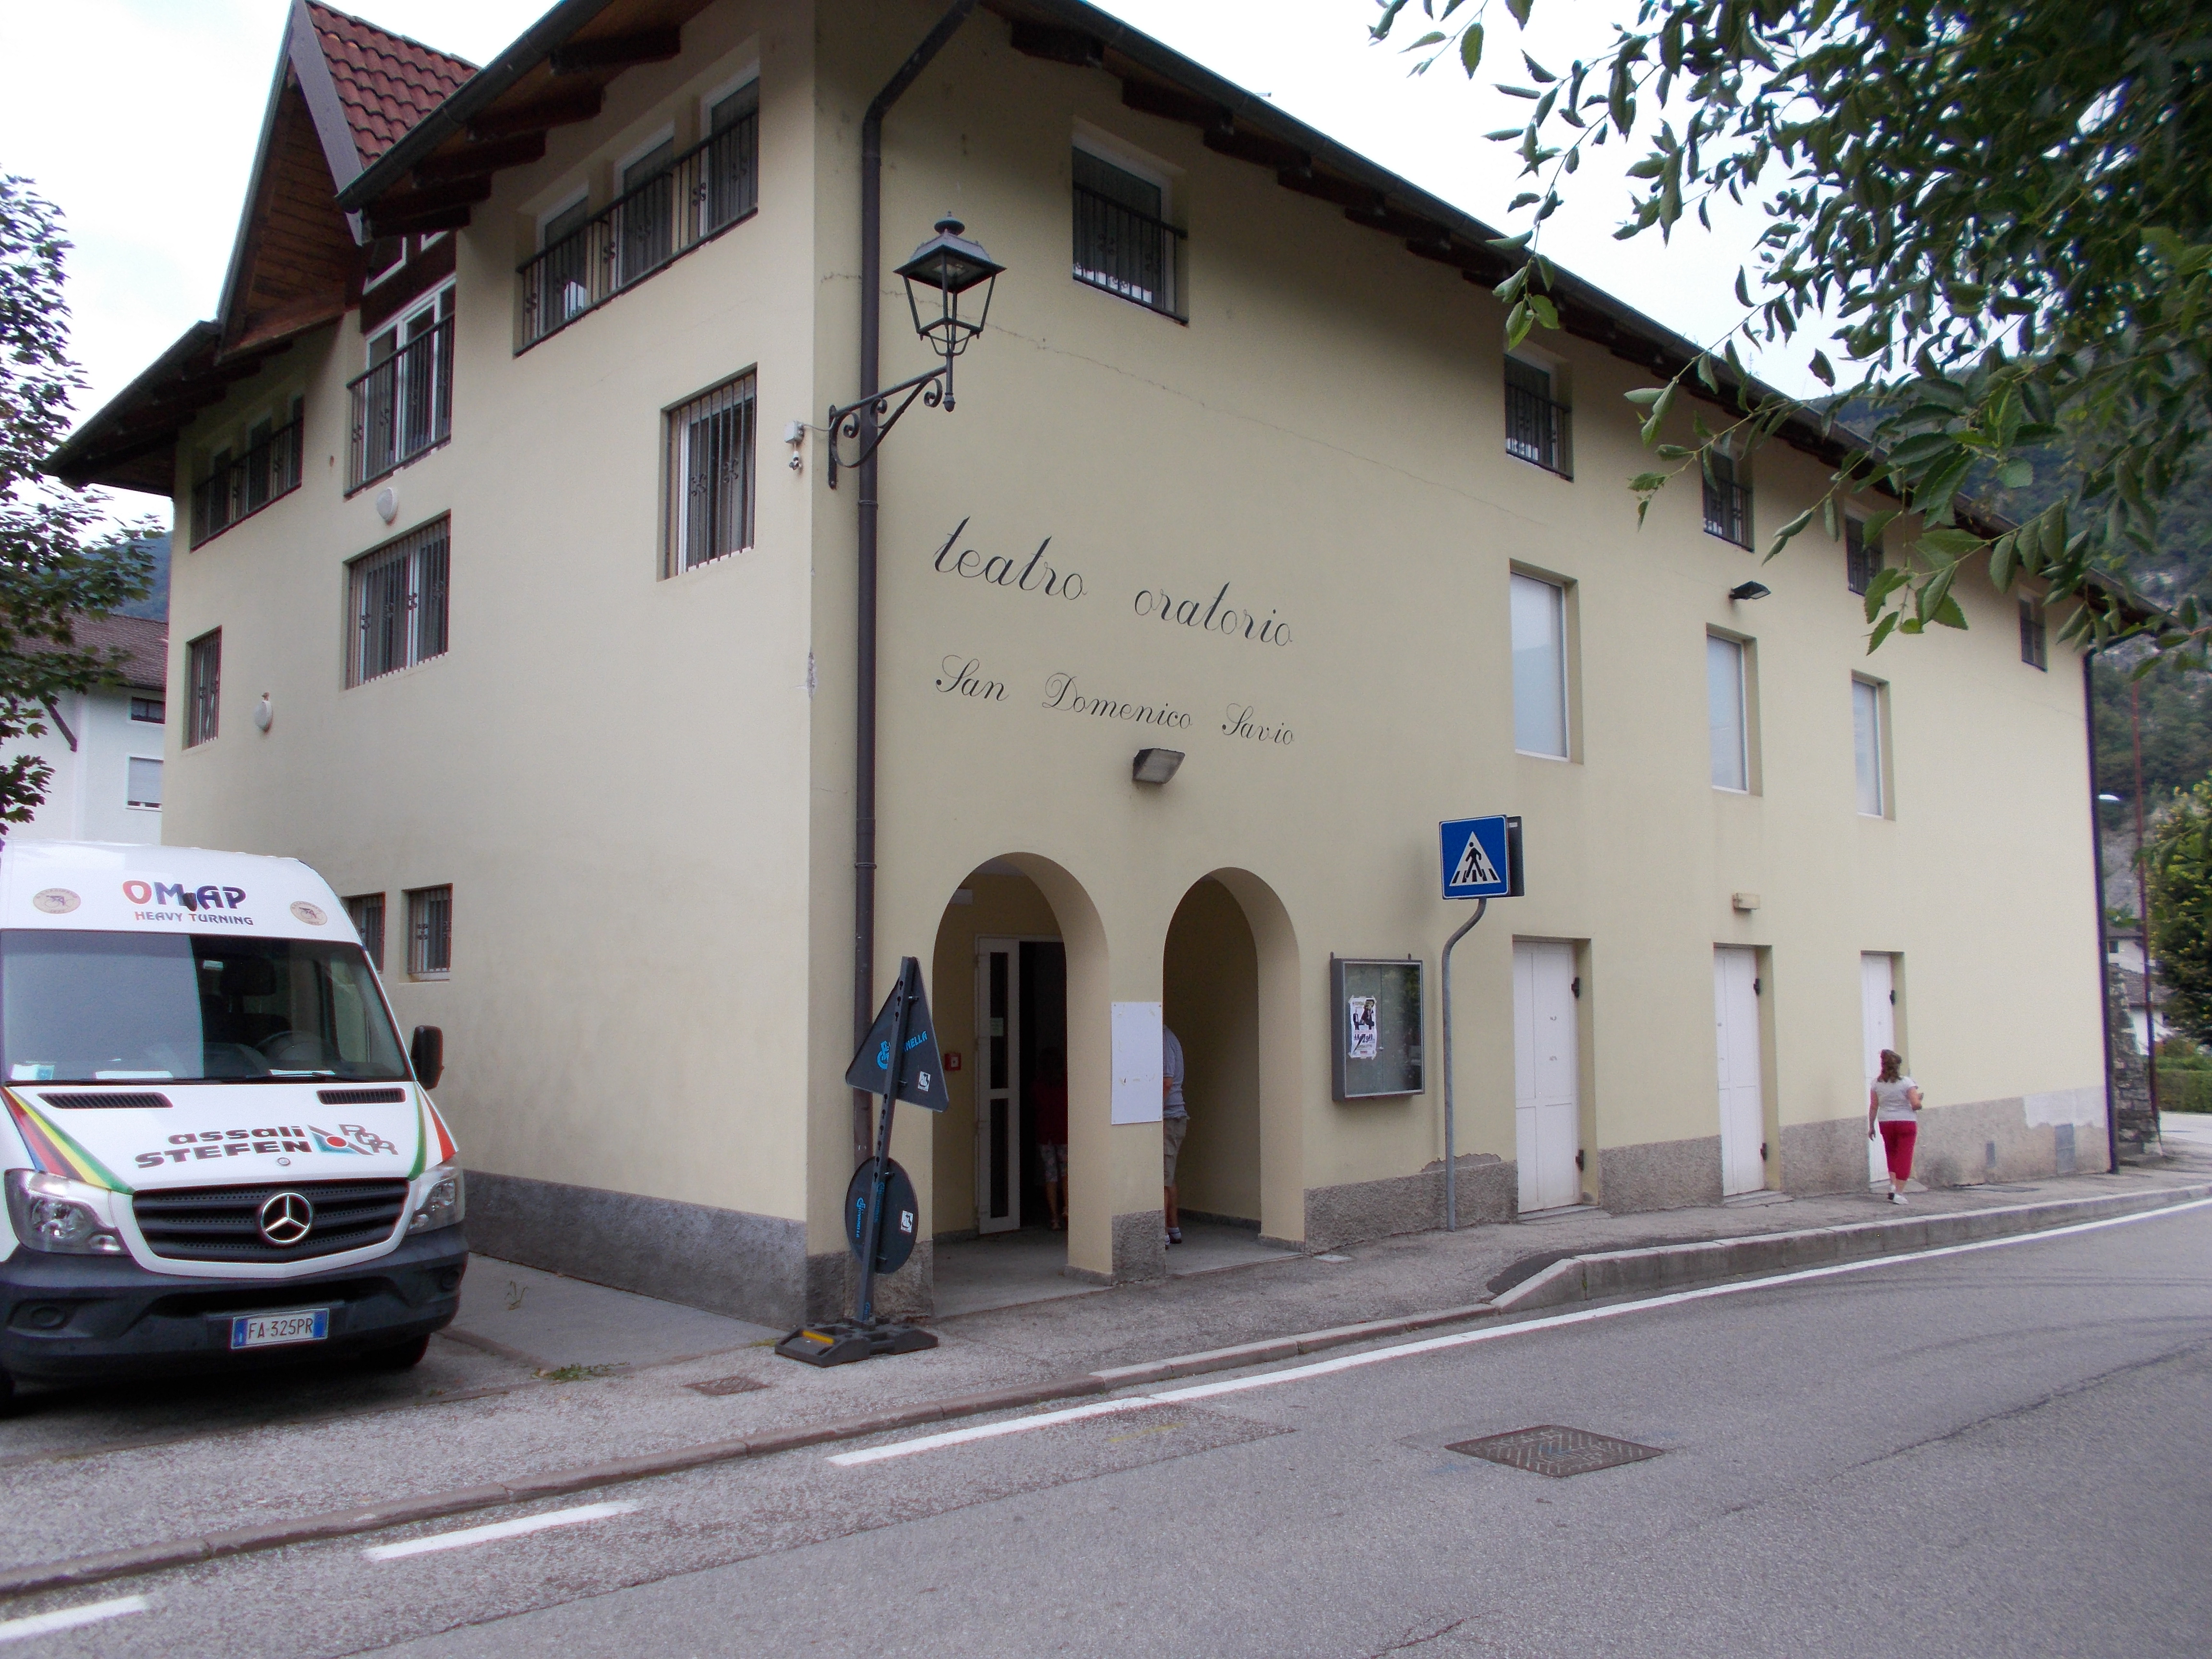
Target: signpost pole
<point>872,1233</point>
<point>1451,1146</point>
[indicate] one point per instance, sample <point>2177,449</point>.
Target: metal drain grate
<point>1549,1449</point>
<point>726,1385</point>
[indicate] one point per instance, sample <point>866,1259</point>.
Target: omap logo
<point>184,897</point>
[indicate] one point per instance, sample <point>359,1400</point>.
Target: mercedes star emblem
<point>285,1218</point>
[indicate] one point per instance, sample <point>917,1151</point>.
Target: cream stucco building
<point>552,616</point>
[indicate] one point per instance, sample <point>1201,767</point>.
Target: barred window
<point>1536,421</point>
<point>1728,501</point>
<point>710,471</point>
<point>2034,637</point>
<point>396,596</point>
<point>429,932</point>
<point>1861,558</point>
<point>1123,243</point>
<point>367,911</point>
<point>203,678</point>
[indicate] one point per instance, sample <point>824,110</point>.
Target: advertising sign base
<point>842,1343</point>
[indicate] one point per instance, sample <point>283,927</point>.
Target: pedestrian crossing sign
<point>1481,857</point>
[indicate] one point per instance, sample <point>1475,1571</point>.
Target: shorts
<point>1171,1133</point>
<point>1054,1159</point>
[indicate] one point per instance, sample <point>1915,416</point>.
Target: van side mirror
<point>427,1053</point>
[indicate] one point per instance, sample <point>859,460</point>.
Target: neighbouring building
<point>519,603</point>
<point>105,745</point>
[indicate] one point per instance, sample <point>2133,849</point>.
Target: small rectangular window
<point>2034,637</point>
<point>710,442</point>
<point>1725,710</point>
<point>367,911</point>
<point>396,596</point>
<point>1867,745</point>
<point>1123,243</point>
<point>1727,502</point>
<point>1535,422</point>
<point>429,932</point>
<point>203,678</point>
<point>1862,557</point>
<point>1540,667</point>
<point>145,782</point>
<point>151,710</point>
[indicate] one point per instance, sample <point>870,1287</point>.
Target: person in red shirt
<point>1048,1093</point>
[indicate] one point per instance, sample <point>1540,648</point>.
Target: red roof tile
<point>145,640</point>
<point>386,81</point>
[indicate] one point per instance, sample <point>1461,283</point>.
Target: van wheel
<point>399,1356</point>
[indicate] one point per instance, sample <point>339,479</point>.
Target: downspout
<point>2104,944</point>
<point>864,746</point>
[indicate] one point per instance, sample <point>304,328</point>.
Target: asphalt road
<point>1997,1451</point>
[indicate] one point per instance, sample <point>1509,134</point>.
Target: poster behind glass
<point>1376,1052</point>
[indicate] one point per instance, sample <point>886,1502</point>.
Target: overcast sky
<point>138,118</point>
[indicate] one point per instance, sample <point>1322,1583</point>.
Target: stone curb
<point>1577,1279</point>
<point>1607,1273</point>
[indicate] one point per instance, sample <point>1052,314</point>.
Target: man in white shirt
<point>1174,1120</point>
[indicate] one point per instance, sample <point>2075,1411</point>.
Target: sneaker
<point>1175,1235</point>
<point>1897,1198</point>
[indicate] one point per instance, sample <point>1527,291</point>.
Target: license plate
<point>273,1330</point>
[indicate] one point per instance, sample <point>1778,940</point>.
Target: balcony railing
<point>1536,430</point>
<point>701,194</point>
<point>1128,253</point>
<point>402,407</point>
<point>238,489</point>
<point>1728,510</point>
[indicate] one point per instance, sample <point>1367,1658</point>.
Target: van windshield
<point>87,1007</point>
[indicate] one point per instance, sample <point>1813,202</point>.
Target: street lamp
<point>946,266</point>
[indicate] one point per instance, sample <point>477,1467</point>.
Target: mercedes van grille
<point>71,1101</point>
<point>222,1223</point>
<point>361,1096</point>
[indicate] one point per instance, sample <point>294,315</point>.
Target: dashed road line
<point>45,1624</point>
<point>499,1530</point>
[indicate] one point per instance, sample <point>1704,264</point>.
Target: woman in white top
<point>1893,1111</point>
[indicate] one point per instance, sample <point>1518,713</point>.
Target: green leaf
<point>1547,314</point>
<point>1882,631</point>
<point>1823,370</point>
<point>1520,10</point>
<point>1947,613</point>
<point>1470,48</point>
<point>2016,475</point>
<point>1948,546</point>
<point>1646,394</point>
<point>1537,71</point>
<point>1517,321</point>
<point>2002,560</point>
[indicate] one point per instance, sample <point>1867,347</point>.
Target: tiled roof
<point>147,642</point>
<point>385,81</point>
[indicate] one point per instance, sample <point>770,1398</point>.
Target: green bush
<point>2184,1090</point>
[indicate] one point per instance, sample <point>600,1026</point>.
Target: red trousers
<point>1897,1141</point>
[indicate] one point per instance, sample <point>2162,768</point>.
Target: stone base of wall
<point>1660,1175</point>
<point>1489,1190</point>
<point>727,1261</point>
<point>1977,1141</point>
<point>1825,1158</point>
<point>832,1284</point>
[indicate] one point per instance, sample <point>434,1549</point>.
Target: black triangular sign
<point>921,1076</point>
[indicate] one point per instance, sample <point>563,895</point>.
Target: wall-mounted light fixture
<point>1155,765</point>
<point>1749,591</point>
<point>945,266</point>
<point>795,433</point>
<point>264,712</point>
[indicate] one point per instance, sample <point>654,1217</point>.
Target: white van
<point>216,1150</point>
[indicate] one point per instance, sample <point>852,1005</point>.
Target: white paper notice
<point>1137,1097</point>
<point>1361,1024</point>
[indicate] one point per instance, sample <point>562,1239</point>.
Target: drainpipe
<point>2104,944</point>
<point>864,677</point>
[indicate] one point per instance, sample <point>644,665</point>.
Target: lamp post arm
<point>846,420</point>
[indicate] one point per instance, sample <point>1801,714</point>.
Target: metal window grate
<point>2034,636</point>
<point>710,472</point>
<point>237,490</point>
<point>429,932</point>
<point>1861,558</point>
<point>1536,426</point>
<point>396,599</point>
<point>204,683</point>
<point>1728,504</point>
<point>697,196</point>
<point>366,911</point>
<point>401,407</point>
<point>1121,243</point>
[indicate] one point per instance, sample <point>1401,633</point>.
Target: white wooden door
<point>1547,1076</point>
<point>1878,997</point>
<point>998,1085</point>
<point>1743,1108</point>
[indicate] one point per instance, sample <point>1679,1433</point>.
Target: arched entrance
<point>1001,975</point>
<point>1229,976</point>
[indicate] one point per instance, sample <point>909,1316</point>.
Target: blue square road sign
<point>1481,857</point>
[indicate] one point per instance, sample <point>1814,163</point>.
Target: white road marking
<point>468,1536</point>
<point>45,1623</point>
<point>1463,1339</point>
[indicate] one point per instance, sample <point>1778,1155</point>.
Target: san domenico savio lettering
<point>1061,692</point>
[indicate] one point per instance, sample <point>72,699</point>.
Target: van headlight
<point>52,1213</point>
<point>444,1200</point>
